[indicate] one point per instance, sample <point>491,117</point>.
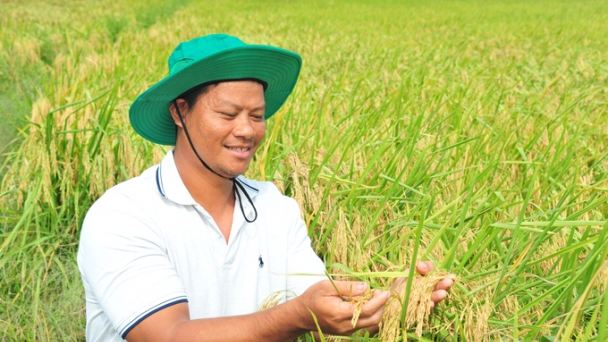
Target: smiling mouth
<point>239,149</point>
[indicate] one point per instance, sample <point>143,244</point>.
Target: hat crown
<point>199,48</point>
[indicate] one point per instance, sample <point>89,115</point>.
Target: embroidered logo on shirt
<point>261,262</point>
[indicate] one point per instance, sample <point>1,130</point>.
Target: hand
<point>441,289</point>
<point>333,313</point>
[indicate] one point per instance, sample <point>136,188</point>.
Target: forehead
<point>246,93</point>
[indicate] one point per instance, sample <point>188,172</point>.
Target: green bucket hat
<point>216,57</point>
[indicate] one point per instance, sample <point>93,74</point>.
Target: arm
<point>284,322</point>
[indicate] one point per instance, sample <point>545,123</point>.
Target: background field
<point>471,133</point>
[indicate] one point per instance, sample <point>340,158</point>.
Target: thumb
<point>350,289</point>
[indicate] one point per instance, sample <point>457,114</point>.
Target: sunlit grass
<point>472,134</point>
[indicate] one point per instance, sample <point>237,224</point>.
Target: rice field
<point>470,133</point>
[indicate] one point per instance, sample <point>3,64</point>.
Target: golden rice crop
<point>470,134</point>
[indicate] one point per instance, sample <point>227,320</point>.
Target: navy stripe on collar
<point>249,186</point>
<point>159,181</point>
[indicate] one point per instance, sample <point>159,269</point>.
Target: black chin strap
<point>236,184</point>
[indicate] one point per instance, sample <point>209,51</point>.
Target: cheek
<point>214,130</point>
<point>260,131</point>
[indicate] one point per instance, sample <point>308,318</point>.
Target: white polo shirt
<point>146,244</point>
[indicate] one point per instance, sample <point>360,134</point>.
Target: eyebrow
<point>232,104</point>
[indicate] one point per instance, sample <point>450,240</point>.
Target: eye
<point>230,115</point>
<point>258,117</point>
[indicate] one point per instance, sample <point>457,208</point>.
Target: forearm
<point>284,322</point>
<point>281,323</point>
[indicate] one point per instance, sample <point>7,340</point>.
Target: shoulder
<point>131,203</point>
<point>127,216</point>
<point>133,192</point>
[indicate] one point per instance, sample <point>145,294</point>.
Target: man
<point>190,249</point>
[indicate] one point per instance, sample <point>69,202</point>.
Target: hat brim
<point>279,68</point>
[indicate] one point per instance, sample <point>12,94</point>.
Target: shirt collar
<point>170,185</point>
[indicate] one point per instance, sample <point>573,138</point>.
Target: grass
<point>470,133</point>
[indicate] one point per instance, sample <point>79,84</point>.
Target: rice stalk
<point>273,300</point>
<point>358,303</point>
<point>418,309</point>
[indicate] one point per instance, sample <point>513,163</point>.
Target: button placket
<point>214,234</point>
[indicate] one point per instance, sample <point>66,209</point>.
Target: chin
<point>233,173</point>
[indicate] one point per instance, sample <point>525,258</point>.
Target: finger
<point>377,302</point>
<point>444,284</point>
<point>348,289</point>
<point>438,295</point>
<point>370,323</point>
<point>371,312</point>
<point>424,267</point>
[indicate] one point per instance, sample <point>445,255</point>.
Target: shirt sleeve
<point>123,261</point>
<point>304,267</point>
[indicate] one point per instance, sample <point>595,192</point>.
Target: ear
<point>183,108</point>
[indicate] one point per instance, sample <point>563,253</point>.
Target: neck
<point>211,191</point>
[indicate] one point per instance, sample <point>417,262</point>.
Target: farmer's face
<point>227,125</point>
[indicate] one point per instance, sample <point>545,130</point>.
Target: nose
<point>244,127</point>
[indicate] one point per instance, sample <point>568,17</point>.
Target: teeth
<point>243,149</point>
